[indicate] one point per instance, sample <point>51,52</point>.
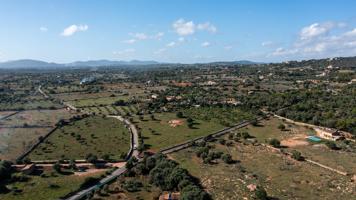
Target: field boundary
<point>307,160</point>
<point>10,115</point>
<point>36,144</point>
<point>216,134</point>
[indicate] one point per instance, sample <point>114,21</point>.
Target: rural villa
<point>328,133</point>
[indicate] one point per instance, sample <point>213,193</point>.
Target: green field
<point>97,135</point>
<point>158,134</point>
<point>44,188</point>
<point>30,104</point>
<point>268,129</point>
<point>112,110</point>
<point>97,101</point>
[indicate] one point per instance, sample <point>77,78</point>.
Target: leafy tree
<point>5,169</point>
<point>132,185</point>
<point>275,143</point>
<point>57,167</point>
<point>72,164</point>
<point>254,122</point>
<point>332,145</point>
<point>192,192</point>
<point>179,115</point>
<point>261,193</point>
<point>297,155</point>
<point>245,135</point>
<point>227,158</point>
<point>282,127</point>
<point>131,163</point>
<point>91,158</point>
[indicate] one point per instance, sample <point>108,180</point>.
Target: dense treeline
<point>317,106</point>
<point>168,176</point>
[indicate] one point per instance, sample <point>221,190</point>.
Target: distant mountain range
<point>28,63</point>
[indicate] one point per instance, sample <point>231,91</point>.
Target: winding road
<point>133,153</point>
<point>135,142</point>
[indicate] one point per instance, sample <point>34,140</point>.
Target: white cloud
<point>266,43</point>
<point>158,36</point>
<point>70,30</point>
<point>207,26</point>
<point>184,28</point>
<point>139,36</point>
<point>171,44</point>
<point>160,51</point>
<point>143,36</point>
<point>319,29</point>
<point>124,52</point>
<point>321,40</point>
<point>130,41</point>
<point>351,33</point>
<point>205,44</point>
<point>228,48</point>
<point>43,29</point>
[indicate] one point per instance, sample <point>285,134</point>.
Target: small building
<point>232,101</point>
<point>170,98</point>
<point>170,196</point>
<point>328,133</point>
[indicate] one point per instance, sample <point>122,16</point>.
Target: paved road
<point>83,193</point>
<point>135,153</point>
<point>119,171</point>
<point>41,91</point>
<point>216,134</point>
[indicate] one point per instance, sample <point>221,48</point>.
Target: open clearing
<point>159,133</point>
<point>14,142</point>
<point>97,135</point>
<point>283,178</point>
<point>97,101</point>
<point>294,137</point>
<point>37,117</point>
<point>20,131</point>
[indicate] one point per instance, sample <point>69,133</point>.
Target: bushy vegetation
<point>168,176</point>
<point>316,106</point>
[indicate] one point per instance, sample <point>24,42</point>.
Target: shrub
<point>245,135</point>
<point>297,155</point>
<point>91,158</point>
<point>132,185</point>
<point>282,127</point>
<point>275,143</point>
<point>57,167</point>
<point>332,145</point>
<point>261,193</point>
<point>227,158</point>
<point>191,192</point>
<point>179,115</point>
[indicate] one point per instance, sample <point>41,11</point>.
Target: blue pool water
<point>314,138</point>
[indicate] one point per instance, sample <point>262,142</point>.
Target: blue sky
<point>176,30</point>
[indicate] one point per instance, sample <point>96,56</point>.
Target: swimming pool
<point>314,138</point>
